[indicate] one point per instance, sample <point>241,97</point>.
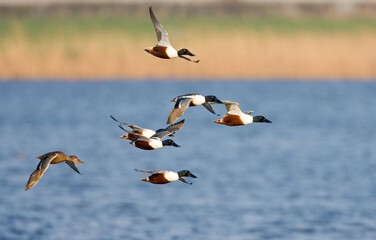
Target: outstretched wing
<point>232,107</point>
<point>41,169</point>
<point>184,57</point>
<point>73,166</point>
<point>184,181</point>
<point>162,35</point>
<point>181,105</point>
<point>134,127</point>
<point>146,171</point>
<point>209,107</point>
<point>136,135</point>
<point>34,178</point>
<point>173,128</point>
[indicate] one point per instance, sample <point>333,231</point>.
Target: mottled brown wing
<point>41,169</point>
<point>34,178</point>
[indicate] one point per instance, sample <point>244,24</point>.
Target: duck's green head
<point>186,173</point>
<point>169,142</point>
<point>260,119</point>
<point>185,51</point>
<point>212,99</point>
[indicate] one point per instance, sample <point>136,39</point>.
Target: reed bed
<point>108,49</point>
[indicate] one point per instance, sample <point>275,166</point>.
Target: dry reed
<point>238,54</point>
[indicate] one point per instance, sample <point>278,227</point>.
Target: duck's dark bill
<point>193,176</point>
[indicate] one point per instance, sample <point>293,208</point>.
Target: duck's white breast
<point>198,100</point>
<point>246,119</point>
<point>171,52</point>
<point>171,176</point>
<point>155,143</point>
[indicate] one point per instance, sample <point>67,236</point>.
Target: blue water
<point>311,174</point>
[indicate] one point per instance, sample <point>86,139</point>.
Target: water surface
<point>309,175</point>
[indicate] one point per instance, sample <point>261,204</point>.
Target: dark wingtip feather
<point>114,118</point>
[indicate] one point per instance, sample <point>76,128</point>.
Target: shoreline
<point>219,79</point>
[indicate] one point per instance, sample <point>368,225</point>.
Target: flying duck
<point>155,141</point>
<point>235,117</point>
<point>163,177</point>
<point>163,49</point>
<point>139,130</point>
<point>185,101</point>
<point>45,161</point>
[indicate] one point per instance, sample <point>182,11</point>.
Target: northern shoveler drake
<point>235,117</point>
<point>45,161</point>
<point>155,141</point>
<point>163,177</point>
<point>136,129</point>
<point>189,100</point>
<point>163,49</point>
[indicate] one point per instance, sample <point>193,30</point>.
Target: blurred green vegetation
<point>35,28</point>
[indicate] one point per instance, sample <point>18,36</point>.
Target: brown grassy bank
<point>224,53</point>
